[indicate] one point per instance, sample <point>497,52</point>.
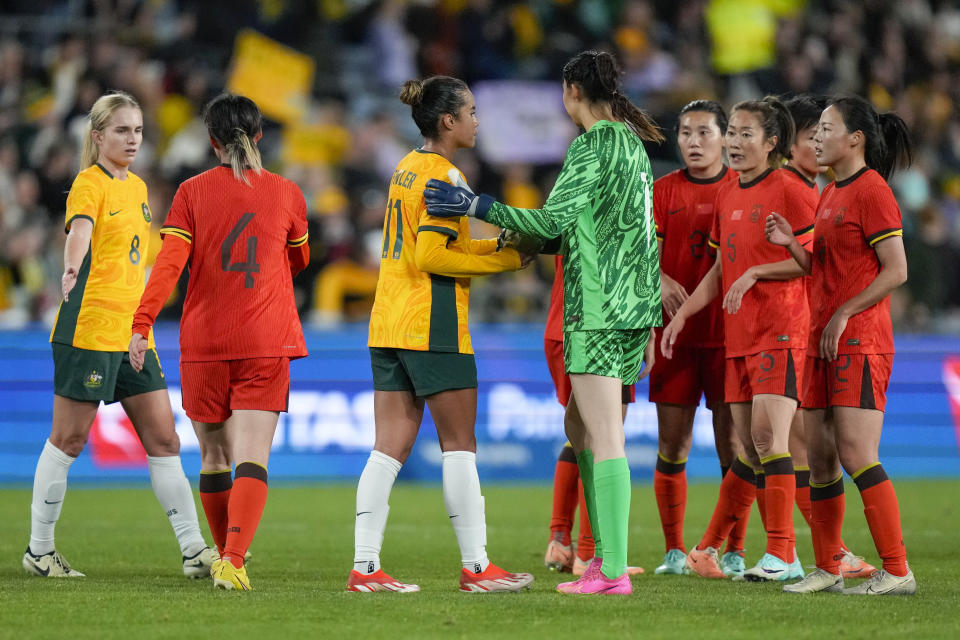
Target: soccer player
<point>567,486</point>
<point>601,209</point>
<point>764,335</point>
<point>857,260</point>
<point>108,229</point>
<point>244,232</point>
<point>420,347</point>
<point>683,209</point>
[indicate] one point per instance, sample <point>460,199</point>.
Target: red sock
<point>247,499</point>
<point>882,510</point>
<point>214,495</point>
<point>565,477</point>
<point>802,476</point>
<point>737,540</point>
<point>762,498</point>
<point>586,547</point>
<point>737,492</point>
<point>670,488</point>
<point>827,505</point>
<point>781,488</point>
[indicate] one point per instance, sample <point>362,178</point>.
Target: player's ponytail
<point>777,123</point>
<point>886,145</point>
<point>431,99</point>
<point>98,119</point>
<point>234,122</point>
<point>597,74</point>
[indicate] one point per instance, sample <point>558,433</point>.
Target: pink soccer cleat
<point>602,585</point>
<point>705,563</point>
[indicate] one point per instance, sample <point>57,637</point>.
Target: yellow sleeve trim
<point>883,236</point>
<point>302,240</point>
<point>713,243</point>
<point>174,231</point>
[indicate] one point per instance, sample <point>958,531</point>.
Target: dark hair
<point>707,106</point>
<point>433,98</point>
<point>598,76</point>
<point>805,109</point>
<point>234,121</point>
<point>886,145</point>
<point>776,121</point>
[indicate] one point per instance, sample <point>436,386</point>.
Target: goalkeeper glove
<point>447,201</point>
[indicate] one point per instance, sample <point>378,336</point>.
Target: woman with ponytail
<point>108,228</point>
<point>601,208</point>
<point>420,347</point>
<point>857,260</point>
<point>244,232</point>
<point>765,332</point>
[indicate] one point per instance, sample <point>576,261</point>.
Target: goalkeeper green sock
<point>585,463</point>
<point>612,480</point>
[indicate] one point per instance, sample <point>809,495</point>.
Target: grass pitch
<point>303,551</point>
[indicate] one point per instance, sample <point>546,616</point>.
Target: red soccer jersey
<point>773,314</point>
<point>812,198</point>
<point>554,328</point>
<point>239,301</point>
<point>683,210</point>
<point>854,215</point>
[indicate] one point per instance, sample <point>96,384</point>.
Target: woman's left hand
<point>830,338</point>
<point>731,301</point>
<point>649,355</point>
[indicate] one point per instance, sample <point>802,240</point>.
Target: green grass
<point>303,551</point>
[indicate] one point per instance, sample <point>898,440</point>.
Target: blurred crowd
<point>58,56</point>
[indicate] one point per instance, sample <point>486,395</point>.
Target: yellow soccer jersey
<point>417,309</point>
<point>99,314</point>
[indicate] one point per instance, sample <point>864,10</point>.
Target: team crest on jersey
<point>94,380</point>
<point>838,219</point>
<point>755,212</point>
<point>146,211</point>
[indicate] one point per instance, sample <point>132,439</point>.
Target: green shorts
<point>422,372</point>
<point>613,353</point>
<point>92,376</point>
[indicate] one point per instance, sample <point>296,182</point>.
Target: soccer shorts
<point>692,372</point>
<point>852,380</point>
<point>423,373</point>
<point>778,372</point>
<point>561,381</point>
<point>94,376</point>
<point>213,390</point>
<point>613,353</point>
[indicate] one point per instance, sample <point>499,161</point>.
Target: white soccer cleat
<point>816,581</point>
<point>377,581</point>
<point>493,580</point>
<point>200,565</point>
<point>882,583</point>
<point>769,568</point>
<point>49,565</point>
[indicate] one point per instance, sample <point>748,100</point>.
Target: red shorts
<point>692,372</point>
<point>213,390</point>
<point>852,380</point>
<point>553,349</point>
<point>778,372</point>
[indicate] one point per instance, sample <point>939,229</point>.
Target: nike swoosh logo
<point>456,516</point>
<point>194,564</point>
<point>43,572</point>
<point>54,502</point>
<point>763,378</point>
<point>772,570</point>
<point>113,213</point>
<point>670,213</point>
<point>839,390</point>
<point>674,506</point>
<point>360,513</point>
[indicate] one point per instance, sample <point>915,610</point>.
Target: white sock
<point>49,488</point>
<point>173,491</point>
<point>461,495</point>
<point>373,493</point>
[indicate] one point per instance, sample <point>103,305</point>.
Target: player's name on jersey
<point>404,179</point>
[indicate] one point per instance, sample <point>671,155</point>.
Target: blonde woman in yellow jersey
<point>108,227</point>
<point>420,344</point>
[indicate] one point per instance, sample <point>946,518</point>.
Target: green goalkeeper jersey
<point>602,209</point>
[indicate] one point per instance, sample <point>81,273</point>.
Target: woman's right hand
<point>670,334</point>
<point>672,293</point>
<point>778,230</point>
<point>68,282</point>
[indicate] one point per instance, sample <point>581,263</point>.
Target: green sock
<point>585,464</point>
<point>612,480</point>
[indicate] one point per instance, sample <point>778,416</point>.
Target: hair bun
<point>411,92</point>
